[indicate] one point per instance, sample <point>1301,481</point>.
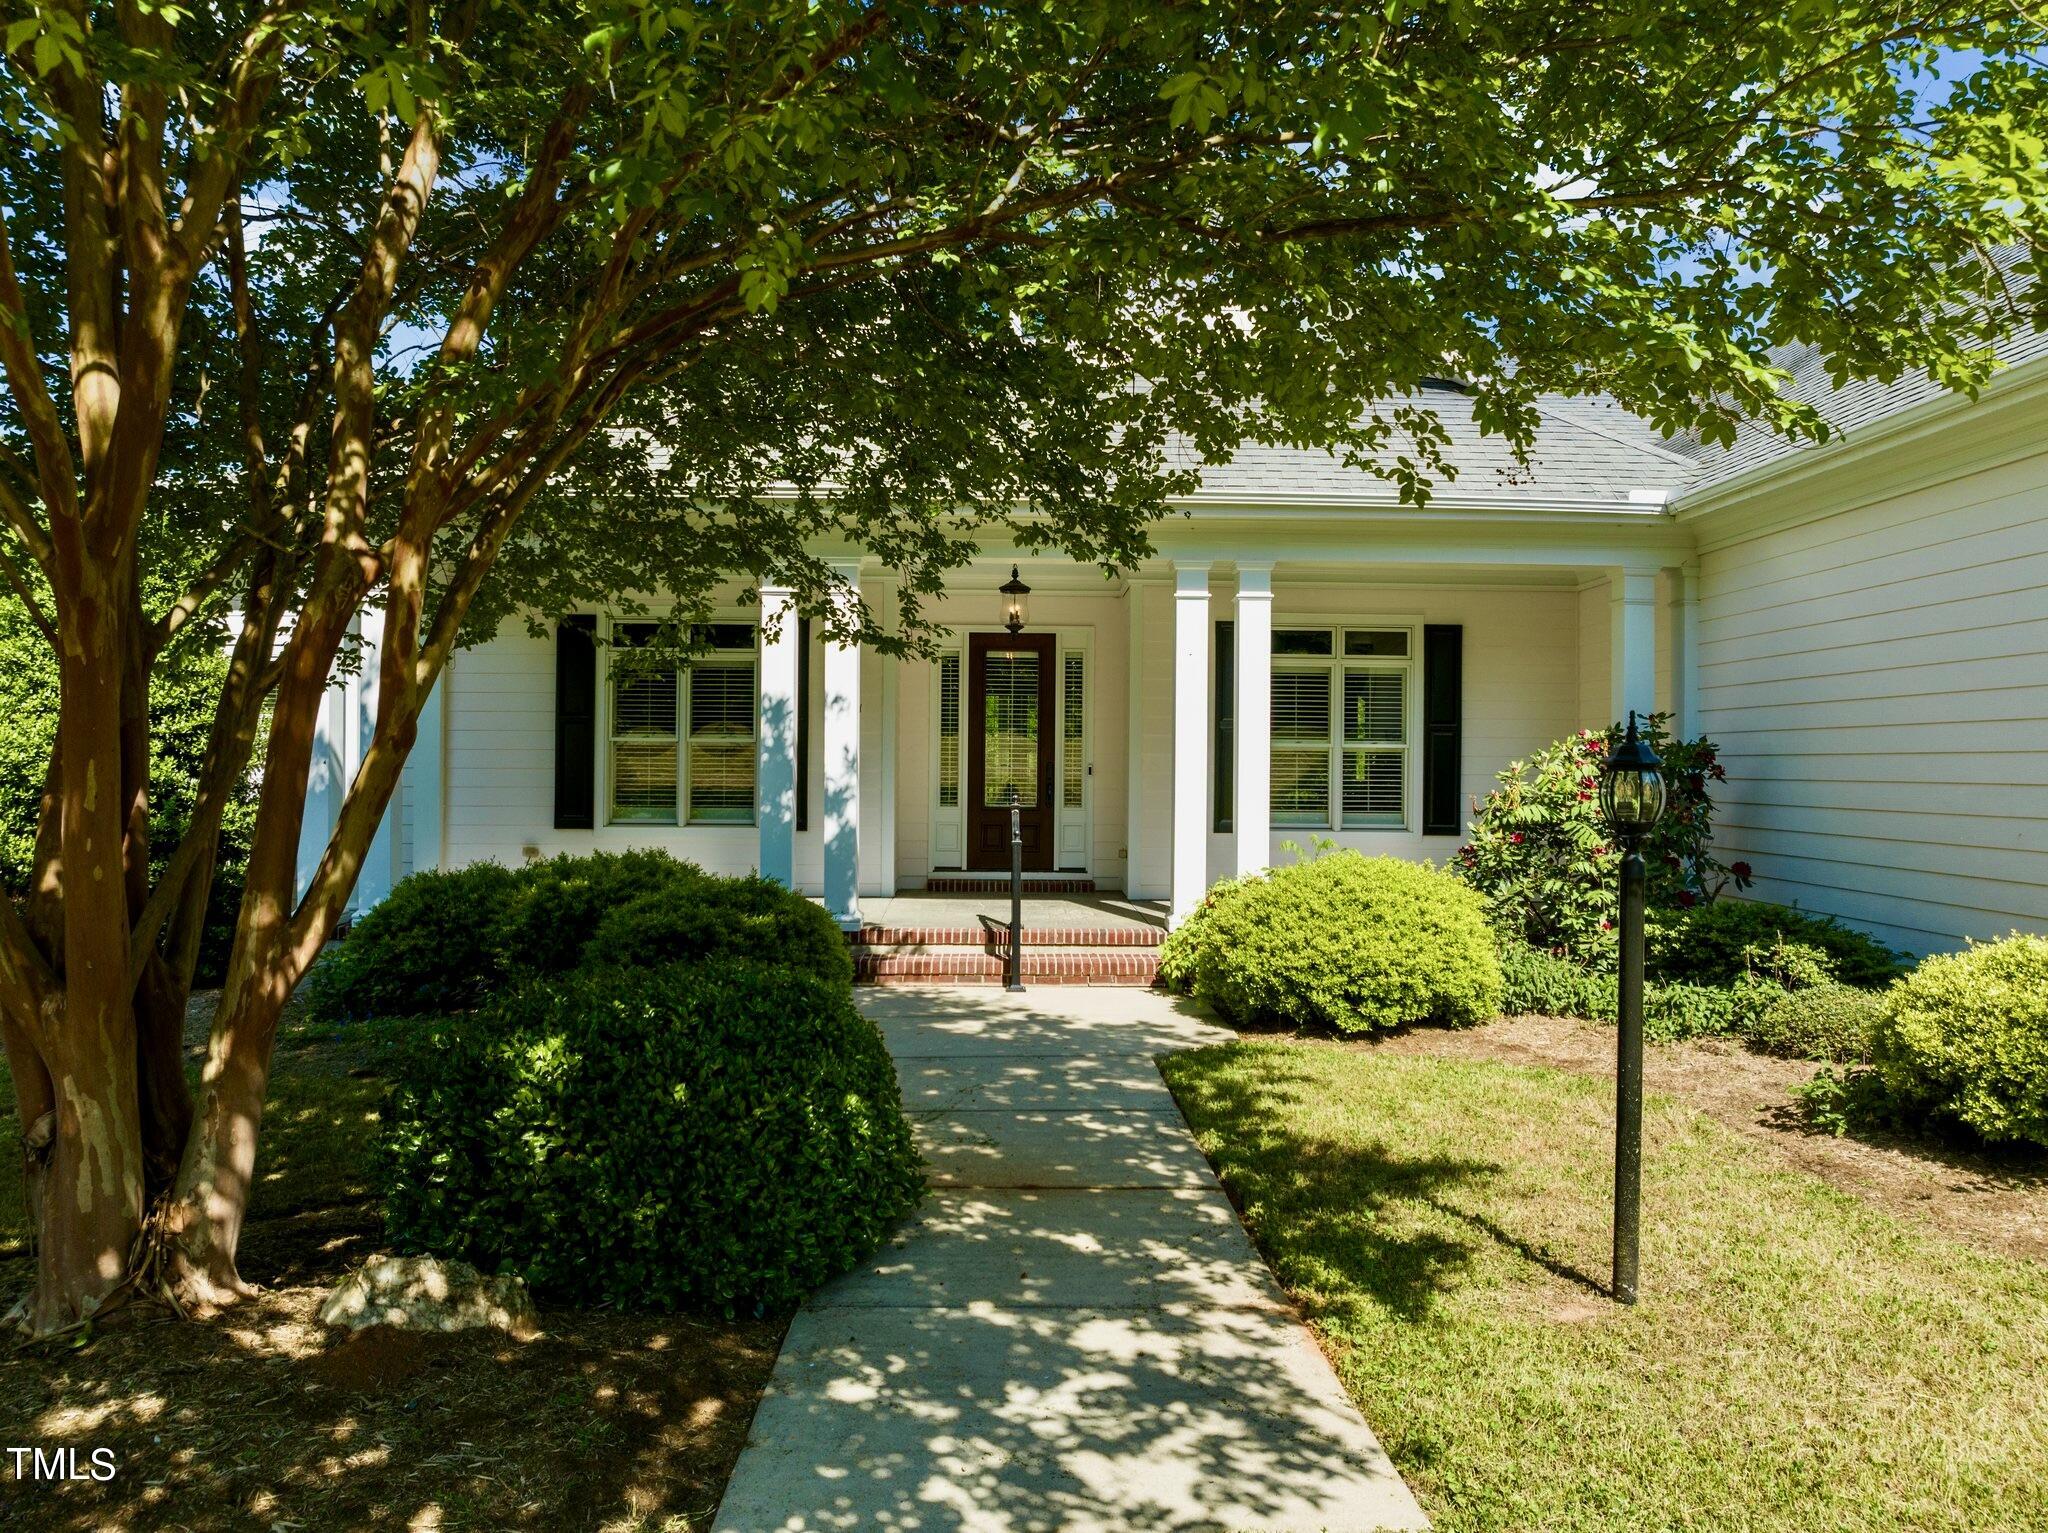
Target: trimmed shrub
<point>1827,1022</point>
<point>1718,944</point>
<point>751,917</point>
<point>1181,951</point>
<point>1539,849</point>
<point>1348,942</point>
<point>434,944</point>
<point>562,901</point>
<point>1964,1037</point>
<point>1543,984</point>
<point>715,1137</point>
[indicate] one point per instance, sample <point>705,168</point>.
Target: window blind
<point>949,731</point>
<point>1073,737</point>
<point>721,762</point>
<point>643,732</point>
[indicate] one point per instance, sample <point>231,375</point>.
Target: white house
<point>1862,626</point>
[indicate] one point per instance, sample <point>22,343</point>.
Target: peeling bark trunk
<point>92,1186</point>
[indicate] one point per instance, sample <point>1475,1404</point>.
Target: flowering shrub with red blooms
<point>1539,848</point>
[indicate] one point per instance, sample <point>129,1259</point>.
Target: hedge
<point>715,1137</point>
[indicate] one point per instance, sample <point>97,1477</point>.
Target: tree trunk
<point>90,1195</point>
<point>203,1221</point>
<point>204,1218</point>
<point>92,1188</point>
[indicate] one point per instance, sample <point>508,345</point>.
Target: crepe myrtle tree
<point>408,318</point>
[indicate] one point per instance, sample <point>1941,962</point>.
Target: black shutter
<point>803,723</point>
<point>1443,728</point>
<point>576,724</point>
<point>1226,725</point>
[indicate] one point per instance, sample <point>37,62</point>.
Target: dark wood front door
<point>1009,729</point>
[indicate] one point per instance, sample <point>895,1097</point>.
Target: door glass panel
<point>1009,737</point>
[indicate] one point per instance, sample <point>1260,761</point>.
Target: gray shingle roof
<point>1857,404</point>
<point>1585,450</point>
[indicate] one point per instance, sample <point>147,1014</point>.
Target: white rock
<point>424,1293</point>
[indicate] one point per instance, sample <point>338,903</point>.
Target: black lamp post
<point>1632,800</point>
<point>1016,603</point>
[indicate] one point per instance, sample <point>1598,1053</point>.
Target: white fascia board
<point>1937,440</point>
<point>1644,502</point>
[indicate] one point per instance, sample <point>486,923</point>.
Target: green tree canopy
<point>420,315</point>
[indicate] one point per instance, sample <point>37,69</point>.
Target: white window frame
<point>607,702</point>
<point>1335,666</point>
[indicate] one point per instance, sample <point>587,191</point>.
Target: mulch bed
<point>266,1419</point>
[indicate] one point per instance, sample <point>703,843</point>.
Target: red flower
<point>1720,773</point>
<point>1741,870</point>
<point>1515,837</point>
<point>1687,899</point>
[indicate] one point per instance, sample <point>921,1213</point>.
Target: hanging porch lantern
<point>1016,602</point>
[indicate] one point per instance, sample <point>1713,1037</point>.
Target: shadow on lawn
<point>1350,1234</point>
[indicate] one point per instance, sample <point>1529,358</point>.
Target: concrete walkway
<point>1074,1333</point>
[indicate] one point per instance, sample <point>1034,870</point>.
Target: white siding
<point>1878,682</point>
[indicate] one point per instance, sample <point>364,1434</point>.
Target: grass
<point>1800,1358</point>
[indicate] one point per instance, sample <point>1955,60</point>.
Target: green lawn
<point>1799,1361</point>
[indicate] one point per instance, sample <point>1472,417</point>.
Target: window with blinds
<point>721,763</point>
<point>643,732</point>
<point>1010,727</point>
<point>682,744</point>
<point>1375,721</point>
<point>1073,733</point>
<point>1340,728</point>
<point>949,731</point>
<point>1301,746</point>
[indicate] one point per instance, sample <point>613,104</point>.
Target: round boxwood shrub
<point>562,901</point>
<point>715,1137</point>
<point>1349,942</point>
<point>723,917</point>
<point>435,943</point>
<point>1965,1037</point>
<point>1828,1022</point>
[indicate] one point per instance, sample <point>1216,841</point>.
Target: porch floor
<point>1050,912</point>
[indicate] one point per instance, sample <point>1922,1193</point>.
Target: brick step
<point>872,938</point>
<point>960,967</point>
<point>1034,883</point>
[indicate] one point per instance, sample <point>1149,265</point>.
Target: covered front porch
<point>1269,680</point>
<point>1200,718</point>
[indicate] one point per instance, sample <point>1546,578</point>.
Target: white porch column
<point>775,735</point>
<point>1689,649</point>
<point>1632,642</point>
<point>1190,737</point>
<point>841,737</point>
<point>1253,725</point>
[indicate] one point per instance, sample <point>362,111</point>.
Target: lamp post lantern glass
<point>1632,801</point>
<point>1016,602</point>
